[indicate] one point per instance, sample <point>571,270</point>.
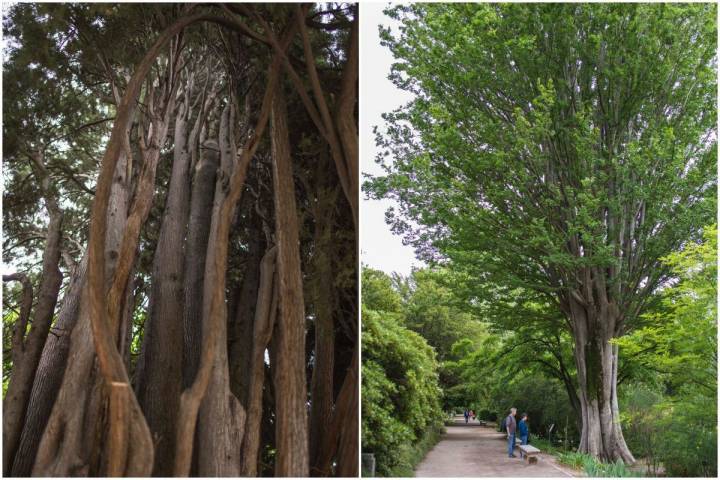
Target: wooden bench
<point>529,453</point>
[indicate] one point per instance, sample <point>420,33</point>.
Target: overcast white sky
<point>380,249</point>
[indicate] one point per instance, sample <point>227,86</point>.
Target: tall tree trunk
<point>240,326</point>
<point>214,304</point>
<point>291,389</point>
<point>265,316</point>
<point>201,207</point>
<point>26,351</point>
<point>596,361</point>
<point>346,409</point>
<point>160,382</point>
<point>221,423</point>
<point>51,368</point>
<point>74,438</point>
<point>322,388</point>
<point>341,441</point>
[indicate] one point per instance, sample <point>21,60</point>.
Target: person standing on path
<point>522,427</point>
<point>510,427</point>
<point>467,414</point>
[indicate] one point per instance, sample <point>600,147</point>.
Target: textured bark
<point>346,411</point>
<point>342,438</point>
<point>28,350</point>
<point>339,128</point>
<point>322,388</point>
<point>596,361</point>
<point>240,328</point>
<point>201,205</point>
<point>292,429</point>
<point>51,369</point>
<point>221,421</point>
<point>215,310</point>
<point>67,447</point>
<point>160,383</point>
<point>12,425</point>
<point>265,316</point>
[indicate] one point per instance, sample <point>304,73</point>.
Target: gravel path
<point>471,450</point>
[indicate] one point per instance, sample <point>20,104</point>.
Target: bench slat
<point>528,449</point>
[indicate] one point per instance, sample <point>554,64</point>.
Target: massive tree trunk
<point>596,360</point>
<point>160,381</point>
<point>291,391</point>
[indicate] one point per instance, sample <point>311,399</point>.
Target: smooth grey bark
<point>596,361</point>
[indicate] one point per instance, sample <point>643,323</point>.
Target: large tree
<point>562,149</point>
<point>136,149</point>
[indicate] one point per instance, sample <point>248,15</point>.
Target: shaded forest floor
<point>471,450</point>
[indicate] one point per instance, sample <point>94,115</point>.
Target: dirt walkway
<point>475,451</point>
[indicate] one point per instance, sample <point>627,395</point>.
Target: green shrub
<point>401,399</point>
<point>410,454</point>
<point>688,446</point>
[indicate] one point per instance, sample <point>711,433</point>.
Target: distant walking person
<point>467,414</point>
<point>510,427</point>
<point>523,430</point>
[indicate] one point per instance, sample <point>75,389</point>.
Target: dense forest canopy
<point>553,159</point>
<point>179,215</point>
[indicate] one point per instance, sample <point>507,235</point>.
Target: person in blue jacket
<point>523,429</point>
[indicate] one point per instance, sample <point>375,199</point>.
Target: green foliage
<point>546,140</point>
<point>378,293</point>
<point>432,309</point>
<point>401,396</point>
<point>573,459</point>
<point>409,455</point>
<point>594,468</point>
<point>641,426</point>
<point>674,424</point>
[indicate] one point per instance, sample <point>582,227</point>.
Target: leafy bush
<point>401,397</point>
<point>410,454</point>
<point>688,445</point>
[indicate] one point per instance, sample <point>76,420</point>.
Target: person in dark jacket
<point>523,429</point>
<point>510,427</point>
